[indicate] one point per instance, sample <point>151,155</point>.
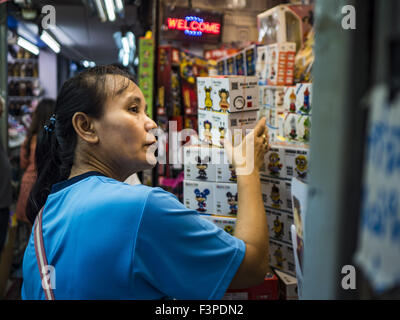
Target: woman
<point>42,113</point>
<point>104,239</point>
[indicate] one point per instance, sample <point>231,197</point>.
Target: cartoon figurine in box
<point>229,229</point>
<point>307,125</point>
<point>202,166</point>
<point>306,105</point>
<point>274,166</point>
<point>292,106</point>
<point>221,135</point>
<point>279,258</point>
<point>207,131</point>
<point>201,198</point>
<point>301,166</point>
<point>223,104</point>
<point>232,201</point>
<point>293,130</point>
<point>278,228</point>
<point>233,177</point>
<point>276,197</point>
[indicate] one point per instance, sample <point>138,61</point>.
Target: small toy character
<point>221,135</point>
<point>306,105</point>
<point>232,201</point>
<point>276,197</point>
<point>229,229</point>
<point>223,103</point>
<point>201,198</point>
<point>301,166</point>
<point>292,106</point>
<point>208,101</point>
<point>233,177</point>
<point>207,132</point>
<point>202,166</point>
<point>279,258</point>
<point>293,132</point>
<point>274,166</point>
<point>278,228</point>
<point>307,125</point>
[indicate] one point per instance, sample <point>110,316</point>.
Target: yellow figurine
<point>208,101</point>
<point>301,166</point>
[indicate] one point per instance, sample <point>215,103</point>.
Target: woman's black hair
<point>55,150</point>
<point>42,113</point>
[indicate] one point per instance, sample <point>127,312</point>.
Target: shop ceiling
<point>85,37</point>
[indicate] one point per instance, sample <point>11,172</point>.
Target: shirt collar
<point>66,183</point>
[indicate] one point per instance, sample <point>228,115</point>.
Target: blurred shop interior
<point>311,78</point>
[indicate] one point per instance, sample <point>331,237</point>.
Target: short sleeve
<point>181,254</point>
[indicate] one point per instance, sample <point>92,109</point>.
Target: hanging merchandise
<point>145,74</point>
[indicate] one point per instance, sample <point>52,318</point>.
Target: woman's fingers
<point>260,127</point>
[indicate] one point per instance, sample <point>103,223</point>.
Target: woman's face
<point>124,138</point>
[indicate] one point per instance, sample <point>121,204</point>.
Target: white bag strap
<point>41,257</point>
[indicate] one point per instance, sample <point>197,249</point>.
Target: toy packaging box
<point>298,98</point>
<point>296,127</point>
<point>199,163</point>
<point>221,67</point>
<point>213,126</point>
<point>226,199</point>
<point>227,93</point>
<point>279,225</point>
<point>251,59</point>
<point>287,286</point>
<point>276,194</point>
<point>268,290</point>
<point>224,170</point>
<point>281,257</point>
<point>240,63</point>
<point>199,195</point>
<point>296,162</point>
<point>261,65</point>
<point>230,66</point>
<point>227,224</point>
<point>272,97</point>
<point>280,63</point>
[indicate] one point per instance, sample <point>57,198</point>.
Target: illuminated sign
<point>189,24</point>
<point>194,26</point>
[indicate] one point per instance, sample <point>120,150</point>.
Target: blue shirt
<point>110,240</point>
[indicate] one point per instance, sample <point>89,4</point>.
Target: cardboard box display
<point>251,59</point>
<point>276,194</point>
<point>297,127</point>
<point>262,65</point>
<point>226,199</point>
<point>290,101</point>
<point>204,96</point>
<point>225,171</point>
<point>199,195</point>
<point>304,97</point>
<point>227,224</point>
<point>221,67</point>
<point>281,256</point>
<point>230,66</point>
<point>296,162</point>
<point>213,126</point>
<point>199,163</point>
<point>287,286</point>
<point>268,290</point>
<point>279,225</point>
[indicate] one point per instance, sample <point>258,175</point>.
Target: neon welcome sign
<point>194,26</point>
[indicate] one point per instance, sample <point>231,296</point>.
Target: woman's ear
<point>84,127</point>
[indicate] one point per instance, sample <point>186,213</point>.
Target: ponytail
<point>55,149</point>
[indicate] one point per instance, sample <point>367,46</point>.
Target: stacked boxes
<point>282,163</point>
<point>226,103</point>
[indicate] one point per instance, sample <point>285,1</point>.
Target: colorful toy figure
<point>221,135</point>
<point>292,106</point>
<point>232,201</point>
<point>202,166</point>
<point>208,101</point>
<point>201,198</point>
<point>307,125</point>
<point>233,177</point>
<point>306,105</point>
<point>223,103</point>
<point>274,166</point>
<point>301,166</point>
<point>276,197</point>
<point>293,132</point>
<point>207,132</point>
<point>279,258</point>
<point>278,228</point>
<point>229,229</point>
